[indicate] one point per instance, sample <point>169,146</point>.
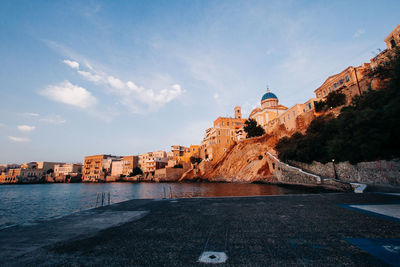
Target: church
<point>270,109</point>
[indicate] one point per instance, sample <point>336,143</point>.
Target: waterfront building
<point>97,167</point>
<point>67,169</point>
<point>128,164</point>
<point>270,109</point>
<point>182,154</point>
<point>116,168</point>
<point>151,161</point>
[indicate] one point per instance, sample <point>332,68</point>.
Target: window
<point>294,113</point>
<point>330,89</point>
<point>227,124</point>
<point>341,81</point>
<point>288,116</point>
<point>335,85</point>
<point>324,93</point>
<point>319,94</point>
<point>347,78</point>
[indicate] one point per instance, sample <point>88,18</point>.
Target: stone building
<point>393,39</point>
<point>350,77</point>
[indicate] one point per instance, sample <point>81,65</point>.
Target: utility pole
<point>358,84</point>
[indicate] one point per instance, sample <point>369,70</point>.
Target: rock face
<point>243,162</point>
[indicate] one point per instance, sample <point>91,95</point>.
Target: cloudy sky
<point>127,77</point>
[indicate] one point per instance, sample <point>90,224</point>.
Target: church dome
<point>268,95</point>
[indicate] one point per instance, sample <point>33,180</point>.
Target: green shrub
<point>252,128</point>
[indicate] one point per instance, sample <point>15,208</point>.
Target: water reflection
<point>31,203</point>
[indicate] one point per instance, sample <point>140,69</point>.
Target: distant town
<point>160,165</point>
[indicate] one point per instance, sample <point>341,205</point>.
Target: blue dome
<point>268,95</point>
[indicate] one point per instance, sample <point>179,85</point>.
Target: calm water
<point>29,204</point>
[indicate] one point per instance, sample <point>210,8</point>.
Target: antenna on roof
<point>267,88</point>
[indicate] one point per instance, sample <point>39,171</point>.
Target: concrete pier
<point>328,229</point>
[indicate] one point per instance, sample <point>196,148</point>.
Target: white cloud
<point>70,94</point>
<point>26,128</point>
<point>18,139</point>
<point>72,64</point>
<point>216,96</point>
<point>91,77</point>
<point>2,125</point>
<point>115,82</point>
<point>31,114</point>
<point>53,119</point>
<point>136,98</point>
<point>358,33</point>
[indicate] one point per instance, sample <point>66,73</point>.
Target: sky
<point>127,77</point>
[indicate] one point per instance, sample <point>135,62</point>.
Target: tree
<point>136,171</point>
<point>50,171</point>
<point>335,99</point>
<point>253,129</point>
<point>194,160</point>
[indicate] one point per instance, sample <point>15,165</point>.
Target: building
<point>295,118</point>
<point>350,77</point>
<point>128,164</point>
<point>181,154</point>
<point>97,167</point>
<point>220,137</point>
<point>393,39</point>
<point>151,161</point>
<point>270,109</point>
<point>116,168</point>
<point>67,169</point>
<point>10,176</point>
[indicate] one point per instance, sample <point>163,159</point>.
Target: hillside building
<point>220,137</point>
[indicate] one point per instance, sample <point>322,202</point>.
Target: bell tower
<point>238,112</point>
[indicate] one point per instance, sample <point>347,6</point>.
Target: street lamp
<point>334,169</point>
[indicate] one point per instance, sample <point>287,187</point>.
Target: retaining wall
<point>380,172</point>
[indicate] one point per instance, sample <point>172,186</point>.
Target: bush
<point>178,166</point>
<point>253,129</point>
<point>333,100</point>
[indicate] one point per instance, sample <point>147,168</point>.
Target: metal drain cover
<point>213,257</point>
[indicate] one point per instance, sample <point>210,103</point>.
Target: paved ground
<point>292,230</point>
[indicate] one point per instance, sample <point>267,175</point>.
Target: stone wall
<point>286,174</point>
<point>168,174</point>
<point>380,172</point>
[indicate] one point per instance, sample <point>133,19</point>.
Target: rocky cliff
<point>243,162</point>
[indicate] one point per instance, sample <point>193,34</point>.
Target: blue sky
<point>128,77</point>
